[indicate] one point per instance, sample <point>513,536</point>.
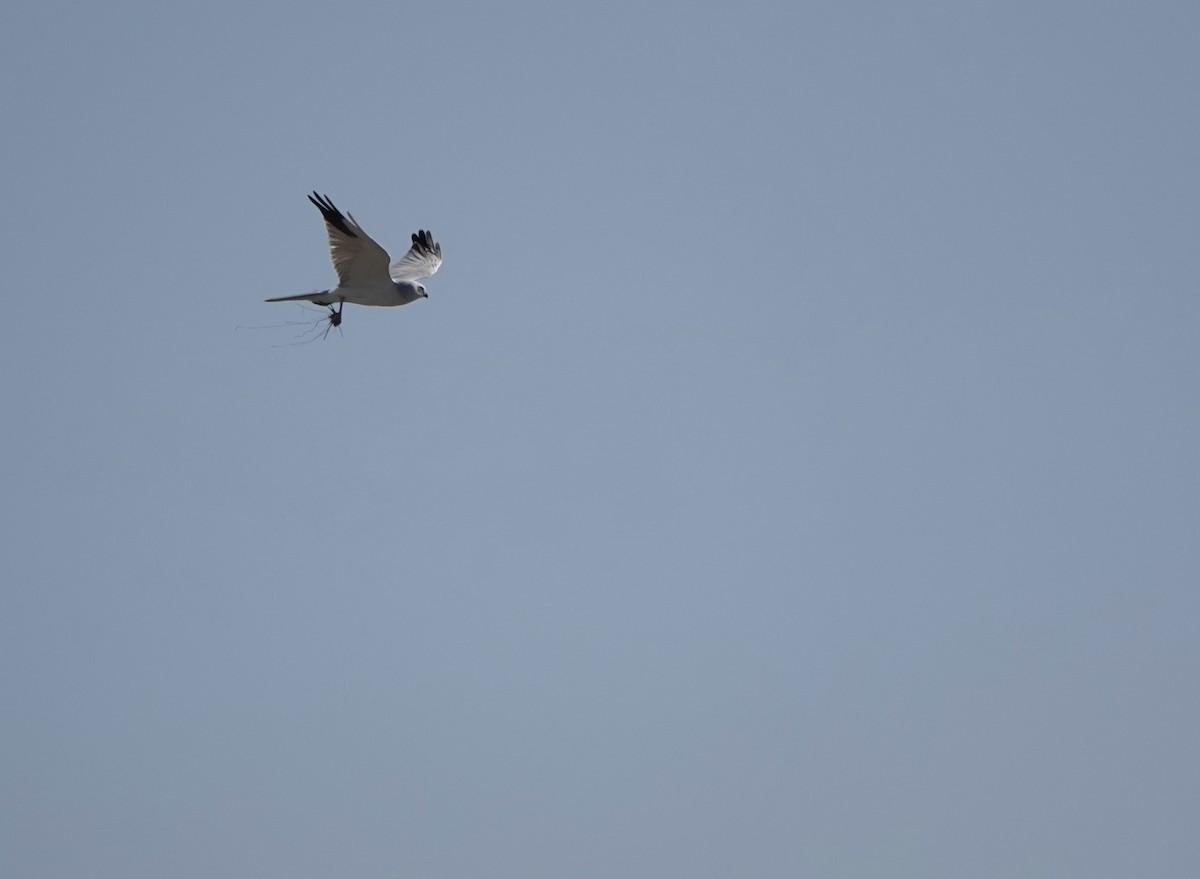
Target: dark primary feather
<point>331,214</point>
<point>424,244</point>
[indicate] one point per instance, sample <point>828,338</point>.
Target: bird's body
<point>390,293</point>
<point>364,276</point>
<point>394,293</point>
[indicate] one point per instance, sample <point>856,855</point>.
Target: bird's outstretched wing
<point>422,260</point>
<point>358,260</point>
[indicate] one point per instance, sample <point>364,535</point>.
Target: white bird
<point>364,276</point>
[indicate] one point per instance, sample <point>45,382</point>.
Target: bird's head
<point>422,292</point>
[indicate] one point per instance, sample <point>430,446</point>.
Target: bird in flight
<point>364,276</point>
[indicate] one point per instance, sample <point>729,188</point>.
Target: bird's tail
<point>320,297</point>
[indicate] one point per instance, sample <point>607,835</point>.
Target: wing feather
<point>357,258</point>
<point>422,260</point>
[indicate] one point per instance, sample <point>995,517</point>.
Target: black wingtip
<point>331,214</point>
<point>423,241</point>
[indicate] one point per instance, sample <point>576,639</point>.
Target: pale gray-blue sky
<point>792,472</point>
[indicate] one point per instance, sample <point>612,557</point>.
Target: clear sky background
<point>793,471</point>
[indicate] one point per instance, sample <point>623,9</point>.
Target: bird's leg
<point>335,317</point>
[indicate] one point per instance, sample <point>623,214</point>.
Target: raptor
<point>364,274</point>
